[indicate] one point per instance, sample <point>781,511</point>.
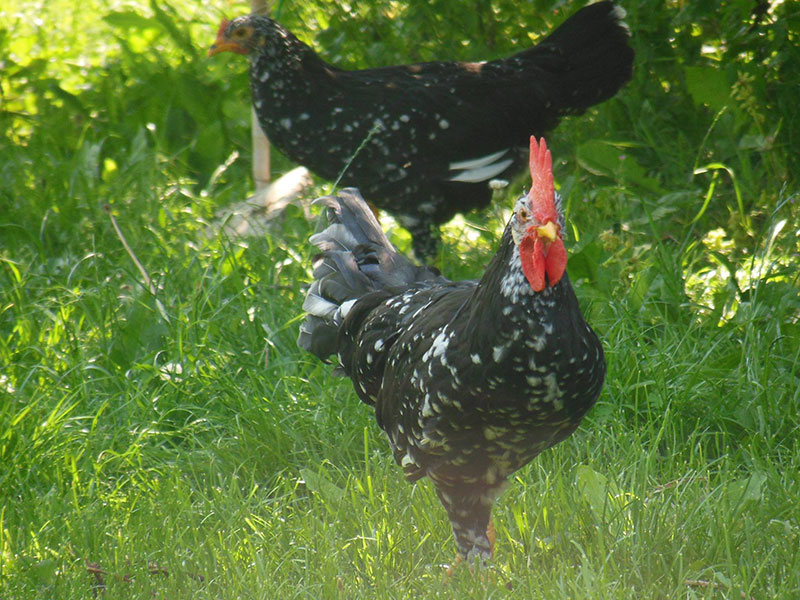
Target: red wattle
<point>556,261</point>
<point>531,254</point>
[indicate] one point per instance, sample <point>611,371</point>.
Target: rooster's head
<point>536,228</point>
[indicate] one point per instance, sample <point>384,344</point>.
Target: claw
<point>452,568</point>
<point>491,534</point>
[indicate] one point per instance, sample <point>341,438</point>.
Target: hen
<point>470,380</point>
<point>422,141</point>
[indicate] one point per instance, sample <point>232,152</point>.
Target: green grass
<point>184,445</point>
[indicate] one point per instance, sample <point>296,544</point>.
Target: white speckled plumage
<point>319,114</point>
<point>470,380</point>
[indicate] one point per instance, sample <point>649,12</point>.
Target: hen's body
<point>435,133</point>
<point>470,380</point>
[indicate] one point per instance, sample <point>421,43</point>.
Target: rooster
<point>470,380</point>
<point>423,141</point>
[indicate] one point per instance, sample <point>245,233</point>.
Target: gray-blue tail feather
<point>356,259</point>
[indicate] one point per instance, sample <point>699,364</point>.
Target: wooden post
<point>260,155</point>
<point>261,175</point>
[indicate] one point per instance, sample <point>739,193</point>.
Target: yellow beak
<point>224,46</point>
<point>548,231</point>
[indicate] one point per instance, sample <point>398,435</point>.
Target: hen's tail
<point>356,259</point>
<point>588,56</point>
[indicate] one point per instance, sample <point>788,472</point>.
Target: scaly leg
<point>491,535</point>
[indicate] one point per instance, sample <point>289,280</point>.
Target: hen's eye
<point>523,214</point>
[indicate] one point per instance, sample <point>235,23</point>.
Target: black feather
<point>396,132</point>
<point>470,380</point>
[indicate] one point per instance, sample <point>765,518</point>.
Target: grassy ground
<point>177,444</point>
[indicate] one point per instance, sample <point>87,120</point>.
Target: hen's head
<point>242,35</point>
<point>535,225</point>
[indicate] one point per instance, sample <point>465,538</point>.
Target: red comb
<point>541,194</point>
<point>222,25</point>
<point>541,163</point>
<point>540,258</point>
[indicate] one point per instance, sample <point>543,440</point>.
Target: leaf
<point>642,287</point>
<point>138,149</point>
<point>68,99</point>
<point>586,262</point>
<point>44,572</point>
<point>603,158</point>
<point>742,492</point>
<point>130,20</point>
<point>708,85</point>
<point>167,21</point>
<point>317,482</point>
<point>716,167</point>
<point>594,488</point>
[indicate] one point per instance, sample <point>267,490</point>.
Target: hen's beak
<point>222,45</point>
<point>548,231</point>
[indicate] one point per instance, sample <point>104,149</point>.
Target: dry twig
<point>702,583</point>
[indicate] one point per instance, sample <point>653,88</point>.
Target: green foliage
<point>173,436</point>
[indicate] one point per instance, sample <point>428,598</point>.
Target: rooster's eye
<point>523,214</point>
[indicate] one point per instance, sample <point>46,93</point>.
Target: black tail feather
<point>594,56</point>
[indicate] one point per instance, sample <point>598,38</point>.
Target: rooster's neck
<point>504,283</point>
<point>504,308</point>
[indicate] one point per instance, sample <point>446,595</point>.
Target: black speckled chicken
<point>434,134</point>
<point>470,380</point>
